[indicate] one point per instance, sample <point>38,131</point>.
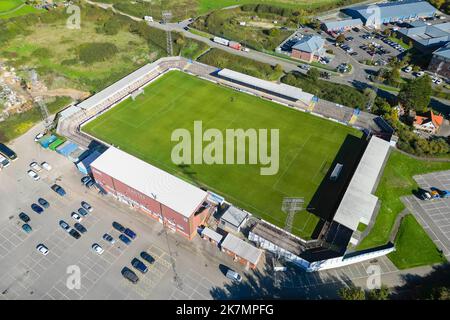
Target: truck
<point>7,152</point>
<point>148,18</point>
<point>222,41</point>
<point>235,45</point>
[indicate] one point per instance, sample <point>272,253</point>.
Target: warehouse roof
<point>358,201</point>
<point>429,35</point>
<point>311,44</point>
<point>212,234</point>
<point>340,24</point>
<point>169,190</point>
<point>241,248</point>
<point>443,52</point>
<point>234,216</point>
<point>396,9</point>
<point>279,88</point>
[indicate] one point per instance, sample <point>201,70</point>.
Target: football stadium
<point>308,145</point>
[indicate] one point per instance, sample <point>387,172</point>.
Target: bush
<point>96,52</point>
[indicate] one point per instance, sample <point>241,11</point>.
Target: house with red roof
<point>428,122</point>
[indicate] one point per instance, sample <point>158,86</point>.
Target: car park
<point>109,238</point>
<point>130,233</point>
<point>233,275</point>
<point>35,166</point>
<point>79,227</point>
<point>24,217</point>
<point>74,233</point>
<point>82,212</point>
<point>86,206</point>
<point>43,202</point>
<point>118,226</point>
<point>33,175</point>
<point>59,190</point>
<point>46,166</point>
<point>97,248</point>
<point>37,208</point>
<point>42,249</point>
<point>75,216</point>
<point>129,275</point>
<point>147,257</point>
<point>64,225</point>
<point>125,239</point>
<point>27,228</point>
<point>139,265</point>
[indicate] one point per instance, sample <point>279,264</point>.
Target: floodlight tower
<point>38,100</point>
<point>166,16</point>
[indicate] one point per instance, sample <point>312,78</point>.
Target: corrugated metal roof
<point>212,234</point>
<point>234,216</point>
<point>241,248</point>
<point>428,35</point>
<point>349,23</point>
<point>443,52</point>
<point>358,201</point>
<point>151,181</point>
<point>280,88</point>
<point>311,44</point>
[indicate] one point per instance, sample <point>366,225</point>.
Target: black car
<point>125,239</point>
<point>80,227</point>
<point>85,179</point>
<point>37,208</point>
<point>130,233</point>
<point>64,225</point>
<point>139,265</point>
<point>74,233</point>
<point>43,202</point>
<point>82,212</point>
<point>59,190</point>
<point>24,217</point>
<point>90,183</point>
<point>130,275</point>
<point>118,226</point>
<point>186,28</point>
<point>147,257</point>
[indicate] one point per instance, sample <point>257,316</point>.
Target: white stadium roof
<point>241,248</point>
<point>279,88</point>
<point>171,191</point>
<point>358,202</point>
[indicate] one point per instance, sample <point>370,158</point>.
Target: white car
<point>97,248</point>
<point>408,69</point>
<point>38,136</point>
<point>33,175</point>
<point>42,249</point>
<point>419,74</point>
<point>35,166</point>
<point>438,81</point>
<point>76,217</point>
<point>46,166</point>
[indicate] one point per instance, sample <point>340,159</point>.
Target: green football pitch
<point>307,144</point>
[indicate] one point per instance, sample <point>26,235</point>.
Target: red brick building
<point>181,206</point>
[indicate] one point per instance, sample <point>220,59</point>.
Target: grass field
<point>14,8</point>
<point>308,144</point>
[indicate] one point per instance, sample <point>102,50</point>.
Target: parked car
<point>74,233</point>
<point>38,136</point>
<point>33,175</point>
<point>125,239</point>
<point>85,179</point>
<point>59,190</point>
<point>90,183</point>
<point>109,238</point>
<point>80,227</point>
<point>43,203</point>
<point>129,275</point>
<point>24,217</point>
<point>27,228</point>
<point>97,248</point>
<point>86,206</point>
<point>35,166</point>
<point>46,166</point>
<point>408,69</point>
<point>233,275</point>
<point>42,249</point>
<point>425,195</point>
<point>118,226</point>
<point>441,193</point>
<point>64,225</point>
<point>75,216</point>
<point>37,208</point>
<point>82,212</point>
<point>130,233</point>
<point>139,265</point>
<point>147,257</point>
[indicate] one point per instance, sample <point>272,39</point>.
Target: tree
<point>352,293</point>
<point>442,293</point>
<point>278,68</point>
<point>313,74</point>
<point>416,94</point>
<point>340,38</point>
<point>379,294</point>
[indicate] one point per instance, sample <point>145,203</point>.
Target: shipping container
<point>84,166</point>
<point>223,41</point>
<point>47,140</point>
<point>67,148</point>
<point>7,152</point>
<point>56,144</point>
